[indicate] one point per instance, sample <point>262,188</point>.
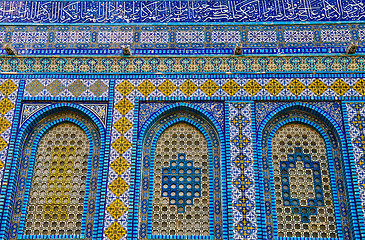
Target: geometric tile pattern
<point>66,88</point>
<point>29,109</point>
<point>184,35</point>
<point>8,95</point>
<point>115,231</point>
<point>243,182</point>
<point>239,64</point>
<point>127,89</point>
<point>272,216</point>
<point>117,208</point>
<point>171,12</point>
<point>356,120</point>
<point>229,87</point>
<point>59,191</point>
<point>116,216</point>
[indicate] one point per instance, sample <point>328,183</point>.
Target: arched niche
<point>301,164</point>
<point>58,182</point>
<point>178,164</point>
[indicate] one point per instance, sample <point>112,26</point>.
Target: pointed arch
<point>29,135</point>
<point>161,123</point>
<point>305,114</point>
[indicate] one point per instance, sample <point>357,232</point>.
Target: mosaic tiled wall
<point>179,11</point>
<point>310,64</point>
<point>183,39</point>
<point>355,113</point>
<point>201,86</point>
<point>113,99</point>
<point>293,71</point>
<point>8,97</point>
<point>243,177</point>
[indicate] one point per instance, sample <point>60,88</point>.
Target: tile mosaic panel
<point>190,36</point>
<point>242,169</point>
<point>72,37</point>
<point>178,11</point>
<point>356,119</point>
<point>362,34</point>
<point>298,36</point>
<point>155,37</point>
<point>245,64</point>
<point>127,88</point>
<point>226,36</point>
<point>335,35</point>
<point>28,109</point>
<point>2,36</point>
<point>117,197</point>
<point>67,88</point>
<point>29,37</point>
<point>240,86</point>
<point>115,37</point>
<point>208,39</point>
<point>8,96</point>
<point>262,36</point>
<point>287,152</point>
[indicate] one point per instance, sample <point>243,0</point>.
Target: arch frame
<point>138,140</point>
<point>347,166</point>
<point>31,169</point>
<point>154,142</point>
<point>12,166</point>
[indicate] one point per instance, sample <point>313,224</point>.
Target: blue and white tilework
<point>2,36</point>
<point>243,181</point>
<point>190,37</point>
<point>226,36</point>
<point>29,108</point>
<point>72,37</point>
<point>114,155</point>
<point>7,108</point>
<point>362,34</point>
<point>298,36</point>
<point>180,11</point>
<point>262,36</point>
<point>336,35</point>
<point>115,37</point>
<point>40,39</point>
<point>99,109</point>
<point>29,37</point>
<point>154,37</point>
<point>356,120</point>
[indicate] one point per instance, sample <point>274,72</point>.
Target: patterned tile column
<point>116,217</point>
<point>356,120</point>
<point>243,182</point>
<point>8,94</point>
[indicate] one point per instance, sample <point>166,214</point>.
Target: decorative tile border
<point>88,88</point>
<point>8,96</point>
<point>237,89</point>
<point>356,119</point>
<point>242,171</point>
<point>347,166</point>
<point>202,86</point>
<point>20,134</point>
<point>210,65</point>
<point>177,11</point>
<point>178,39</point>
<point>117,196</point>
